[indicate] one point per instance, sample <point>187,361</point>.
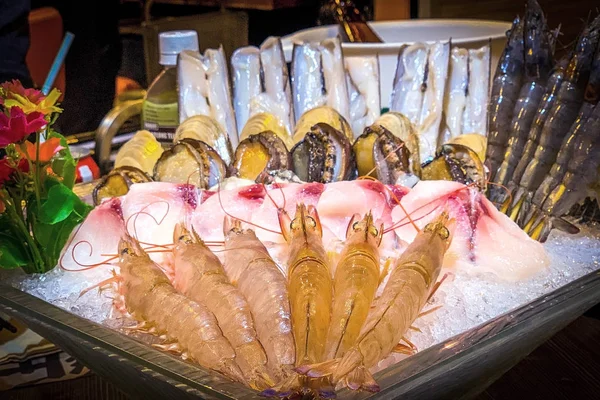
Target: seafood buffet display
<point>296,239</point>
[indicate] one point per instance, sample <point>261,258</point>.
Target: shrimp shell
<point>354,285</point>
<point>150,297</point>
<point>200,276</point>
<point>504,94</point>
<point>253,271</point>
<point>310,285</point>
<point>403,297</point>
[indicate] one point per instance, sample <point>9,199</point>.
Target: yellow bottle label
<point>161,119</point>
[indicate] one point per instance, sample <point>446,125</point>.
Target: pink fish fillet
<point>485,240</point>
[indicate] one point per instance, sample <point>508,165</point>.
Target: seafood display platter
<point>470,34</point>
<point>459,367</point>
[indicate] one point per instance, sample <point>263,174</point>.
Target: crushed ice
<point>468,299</point>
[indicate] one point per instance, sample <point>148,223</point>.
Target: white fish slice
<point>456,94</point>
<point>362,74</point>
<point>204,89</point>
<point>433,99</point>
<point>475,114</point>
<point>407,94</point>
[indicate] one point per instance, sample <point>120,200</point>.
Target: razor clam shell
<point>334,76</point>
<point>207,130</point>
<point>280,157</point>
<point>401,127</point>
<point>326,115</point>
<point>308,88</point>
<point>475,114</point>
<point>455,97</point>
<point>409,81</point>
<point>276,81</point>
<point>430,118</point>
<point>245,65</point>
<point>204,88</point>
<point>266,122</point>
<point>362,75</point>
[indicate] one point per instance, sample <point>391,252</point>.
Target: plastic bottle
<point>160,111</point>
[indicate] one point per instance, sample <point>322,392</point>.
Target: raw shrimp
<point>565,110</point>
<point>581,173</point>
<point>538,63</point>
<point>253,271</point>
<point>561,117</point>
<point>533,138</point>
<point>200,276</point>
<point>406,292</point>
<point>354,285</point>
<point>310,291</point>
<point>580,126</point>
<point>147,294</point>
<point>505,91</point>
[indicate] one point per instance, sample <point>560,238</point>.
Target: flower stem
<point>36,171</point>
<point>38,262</point>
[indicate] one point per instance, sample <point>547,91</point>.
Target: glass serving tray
<point>457,368</point>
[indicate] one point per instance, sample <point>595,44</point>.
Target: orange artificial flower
<point>47,150</point>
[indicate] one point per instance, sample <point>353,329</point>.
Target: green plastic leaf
<point>58,206</point>
<point>63,164</point>
<point>12,253</point>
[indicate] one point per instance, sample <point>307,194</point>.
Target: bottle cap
<point>171,43</point>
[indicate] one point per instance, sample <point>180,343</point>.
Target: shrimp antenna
<point>396,199</point>
<point>401,145</point>
<point>86,266</point>
<point>244,221</point>
<point>144,212</point>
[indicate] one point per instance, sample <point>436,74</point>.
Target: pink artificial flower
<point>19,125</point>
<point>7,89</point>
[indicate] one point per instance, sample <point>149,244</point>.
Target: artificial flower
<point>9,89</point>
<point>19,125</point>
<point>45,106</point>
<point>47,149</point>
<point>2,206</point>
<point>6,170</point>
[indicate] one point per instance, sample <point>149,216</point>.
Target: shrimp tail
<point>230,369</point>
<point>296,385</point>
<point>347,371</point>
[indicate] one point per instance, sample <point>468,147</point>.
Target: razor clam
<point>475,114</point>
<point>276,82</point>
<point>455,97</point>
<point>326,115</point>
<point>117,183</point>
<point>380,154</point>
<point>245,65</point>
<point>324,155</point>
<point>207,130</point>
<point>433,99</point>
<point>259,154</point>
<point>204,88</point>
<point>455,162</point>
<point>399,126</point>
<point>362,75</point>
<point>409,81</point>
<point>318,77</point>
<point>191,161</point>
<point>266,122</point>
